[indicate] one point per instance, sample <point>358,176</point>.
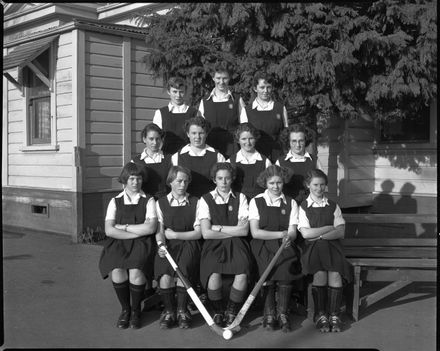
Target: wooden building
<point>76,96</point>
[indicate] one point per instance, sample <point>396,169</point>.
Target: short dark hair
<point>295,128</point>
<point>273,171</point>
<point>197,121</point>
<point>176,83</point>
<point>132,169</point>
<point>262,75</point>
<point>151,127</point>
<point>223,66</point>
<point>222,166</point>
<point>315,173</point>
<point>172,174</point>
<point>246,127</point>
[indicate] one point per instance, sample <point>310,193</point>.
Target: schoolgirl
<point>296,138</point>
<point>322,226</point>
<point>197,156</point>
<point>222,109</point>
<point>128,252</point>
<point>248,162</point>
<point>223,216</point>
<point>267,115</point>
<point>154,162</point>
<point>179,229</point>
<point>171,118</point>
<point>273,218</point>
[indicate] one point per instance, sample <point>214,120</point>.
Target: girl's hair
<point>132,169</point>
<point>222,166</point>
<point>295,128</point>
<point>315,173</point>
<point>223,66</point>
<point>261,75</point>
<point>197,121</point>
<point>152,127</point>
<point>246,127</point>
<point>176,83</point>
<point>172,174</point>
<point>273,171</point>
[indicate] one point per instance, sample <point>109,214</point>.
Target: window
<point>409,130</point>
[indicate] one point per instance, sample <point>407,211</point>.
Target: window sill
<point>31,148</point>
<point>404,146</point>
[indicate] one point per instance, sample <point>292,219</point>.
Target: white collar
<point>228,94</point>
<point>322,203</point>
<point>124,193</point>
<point>256,156</point>
<point>171,198</point>
<point>290,155</point>
<point>187,149</point>
<point>257,106</point>
<point>215,194</point>
<point>268,199</point>
<point>156,157</point>
<point>180,109</point>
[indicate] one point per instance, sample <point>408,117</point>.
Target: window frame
<point>28,144</point>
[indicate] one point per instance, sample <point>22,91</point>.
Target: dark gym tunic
<point>323,255</point>
<point>130,253</point>
<point>224,119</point>
<point>296,188</point>
<point>173,126</point>
<point>270,124</point>
<point>157,175</point>
<point>224,256</point>
<point>246,178</point>
<point>288,266</point>
<point>186,253</point>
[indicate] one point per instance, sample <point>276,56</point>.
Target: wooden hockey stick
<point>225,334</point>
<point>235,326</point>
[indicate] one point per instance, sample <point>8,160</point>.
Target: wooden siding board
<point>64,112</point>
<point>46,159</point>
<point>104,116</point>
<point>146,79</point>
<point>104,82</point>
<point>103,127</point>
<point>94,37</point>
<point>426,187</point>
<point>103,161</point>
<point>103,139</point>
<point>104,150</point>
<point>147,102</point>
<point>15,127</point>
<point>102,183</point>
<point>103,48</point>
<point>104,94</point>
<point>63,75</point>
<point>64,87</point>
<point>64,99</point>
<point>64,135</point>
<point>102,71</point>
<point>99,172</point>
<point>150,91</point>
<point>103,60</point>
<point>41,182</point>
<point>40,171</point>
<point>103,105</point>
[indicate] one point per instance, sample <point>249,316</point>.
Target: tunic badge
<point>231,106</point>
<point>278,116</point>
<point>230,208</point>
<point>283,211</point>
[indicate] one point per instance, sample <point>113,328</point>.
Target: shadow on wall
<point>384,203</point>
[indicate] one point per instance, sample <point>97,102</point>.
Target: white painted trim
<point>126,99</point>
<point>5,143</point>
<point>78,108</point>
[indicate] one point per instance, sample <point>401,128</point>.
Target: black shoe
<point>123,320</point>
<point>335,323</point>
<point>284,322</point>
<point>269,322</point>
<point>229,318</point>
<point>135,319</point>
<point>322,323</point>
<point>183,319</point>
<point>167,320</point>
<point>218,319</point>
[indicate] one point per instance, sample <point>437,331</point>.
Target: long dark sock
<point>334,300</point>
<point>319,294</point>
<point>123,293</point>
<point>182,298</point>
<point>137,294</point>
<point>168,299</point>
<point>216,299</point>
<point>284,294</point>
<point>269,299</point>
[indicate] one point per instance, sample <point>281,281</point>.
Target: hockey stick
<point>235,326</point>
<point>226,334</point>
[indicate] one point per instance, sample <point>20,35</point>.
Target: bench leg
<point>356,288</point>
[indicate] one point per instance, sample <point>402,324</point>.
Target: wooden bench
<point>398,260</point>
<point>386,248</point>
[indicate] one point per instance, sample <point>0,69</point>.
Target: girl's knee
<point>137,277</point>
<point>334,279</point>
<point>119,275</point>
<point>166,281</point>
<point>320,278</point>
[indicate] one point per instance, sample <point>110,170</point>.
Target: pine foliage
<point>328,59</point>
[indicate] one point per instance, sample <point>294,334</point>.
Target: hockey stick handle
<point>257,288</point>
<point>191,292</point>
